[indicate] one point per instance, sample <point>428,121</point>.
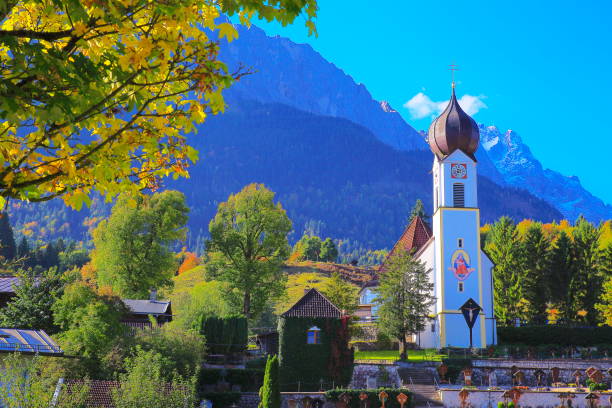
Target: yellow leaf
<point>226,30</point>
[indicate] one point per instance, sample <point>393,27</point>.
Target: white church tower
<point>461,270</point>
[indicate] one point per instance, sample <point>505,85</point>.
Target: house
<point>141,309</point>
<point>8,284</point>
<point>313,345</point>
<point>28,342</point>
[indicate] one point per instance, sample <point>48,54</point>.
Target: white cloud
<point>421,106</point>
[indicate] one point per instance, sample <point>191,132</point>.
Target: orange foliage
<point>88,273</point>
<point>105,291</point>
<point>190,262</point>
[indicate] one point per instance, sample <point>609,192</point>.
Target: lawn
<point>413,355</point>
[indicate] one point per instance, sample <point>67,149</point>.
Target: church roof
<point>415,236</point>
<point>453,130</point>
<point>313,304</point>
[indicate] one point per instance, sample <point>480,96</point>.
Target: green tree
<point>418,210</point>
<point>329,251</point>
<point>585,287</point>
<point>31,308</point>
<point>270,390</point>
<point>503,247</point>
<point>91,324</point>
<point>308,248</point>
<point>560,273</point>
<point>341,293</point>
<point>99,95</point>
<point>146,385</point>
<point>23,249</point>
<point>8,248</point>
<point>248,243</point>
<point>605,305</point>
<point>32,386</point>
<point>534,251</point>
<point>133,248</point>
<point>404,297</point>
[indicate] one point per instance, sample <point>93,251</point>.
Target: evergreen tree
<point>270,390</point>
<point>605,305</point>
<point>23,249</point>
<point>503,248</point>
<point>560,273</point>
<point>8,248</point>
<point>586,283</point>
<point>405,298</point>
<point>418,210</point>
<point>535,260</point>
<point>51,256</point>
<point>329,252</point>
<point>341,293</point>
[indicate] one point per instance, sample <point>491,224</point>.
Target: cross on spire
<point>452,68</point>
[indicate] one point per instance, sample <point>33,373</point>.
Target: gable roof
<point>414,237</point>
<point>313,304</point>
<point>148,307</point>
<point>8,284</point>
<point>100,392</point>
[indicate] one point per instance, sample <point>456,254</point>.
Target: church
<point>450,247</point>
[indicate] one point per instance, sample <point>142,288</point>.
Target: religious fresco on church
<point>460,262</point>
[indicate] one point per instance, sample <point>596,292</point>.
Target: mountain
<point>520,168</point>
<point>296,75</point>
<point>330,174</point>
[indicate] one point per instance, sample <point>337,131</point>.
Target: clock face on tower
<point>458,170</point>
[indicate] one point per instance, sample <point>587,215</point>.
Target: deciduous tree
<point>248,243</point>
<point>133,248</point>
<point>329,251</point>
<point>101,94</point>
<point>341,293</point>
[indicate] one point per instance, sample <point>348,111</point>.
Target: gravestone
<point>577,374</point>
<point>363,400</point>
<point>554,372</point>
<point>467,376</point>
<point>492,379</point>
<point>594,375</point>
<point>442,371</point>
<point>540,377</point>
<point>518,378</point>
<point>291,403</point>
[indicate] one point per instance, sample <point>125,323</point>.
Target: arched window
<point>314,335</point>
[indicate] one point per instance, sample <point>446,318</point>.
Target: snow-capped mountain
<point>520,168</point>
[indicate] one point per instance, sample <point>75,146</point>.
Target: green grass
<point>413,355</point>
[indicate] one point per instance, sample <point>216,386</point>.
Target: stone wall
<point>369,376</point>
<point>529,399</point>
<point>289,399</point>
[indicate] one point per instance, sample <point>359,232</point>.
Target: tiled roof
<point>27,341</point>
<point>8,284</point>
<point>149,307</point>
<point>416,234</point>
<point>100,391</point>
<point>313,304</point>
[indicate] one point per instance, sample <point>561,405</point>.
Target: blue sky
<point>542,68</point>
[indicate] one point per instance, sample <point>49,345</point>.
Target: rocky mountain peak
<point>386,106</point>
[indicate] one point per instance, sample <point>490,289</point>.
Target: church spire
<point>453,129</point>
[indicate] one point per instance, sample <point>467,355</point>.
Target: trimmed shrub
<point>249,380</point>
<point>270,391</point>
<point>558,335</point>
<point>225,335</point>
<point>333,395</point>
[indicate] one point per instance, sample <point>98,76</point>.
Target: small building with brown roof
<point>313,340</point>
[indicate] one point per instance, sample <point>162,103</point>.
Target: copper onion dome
<point>453,129</point>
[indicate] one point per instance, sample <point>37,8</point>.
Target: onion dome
<point>453,129</point>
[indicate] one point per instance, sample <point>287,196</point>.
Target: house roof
<point>8,284</point>
<point>414,237</point>
<point>28,341</point>
<point>313,304</point>
<point>148,307</point>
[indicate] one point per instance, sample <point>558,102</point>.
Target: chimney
<point>153,295</point>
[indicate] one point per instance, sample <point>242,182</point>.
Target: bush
<point>222,399</point>
<point>558,335</point>
<point>333,395</point>
<point>225,335</point>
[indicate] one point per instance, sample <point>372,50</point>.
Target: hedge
<point>558,335</point>
<point>333,395</point>
<point>248,379</point>
<point>225,335</point>
<point>222,399</point>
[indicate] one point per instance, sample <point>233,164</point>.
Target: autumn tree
<point>503,248</point>
<point>101,94</point>
<point>341,293</point>
<point>133,248</point>
<point>404,297</point>
<point>248,243</point>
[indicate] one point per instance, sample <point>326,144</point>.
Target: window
<point>460,287</point>
<point>314,335</point>
<point>433,327</point>
<point>460,243</point>
<point>458,195</point>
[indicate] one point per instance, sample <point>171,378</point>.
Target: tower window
<point>460,243</point>
<point>433,327</point>
<point>314,335</point>
<point>458,195</point>
<point>460,287</point>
